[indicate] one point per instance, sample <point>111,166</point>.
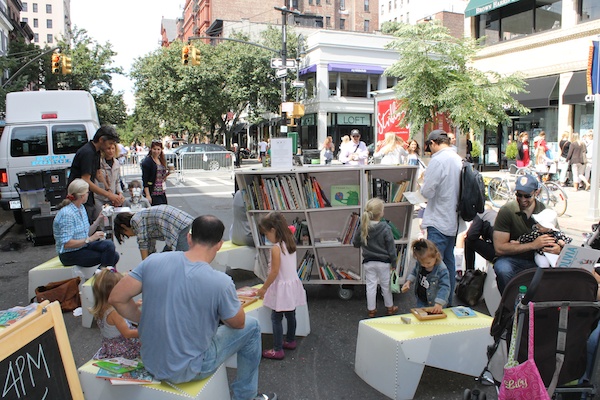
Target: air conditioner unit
<point>333,92</point>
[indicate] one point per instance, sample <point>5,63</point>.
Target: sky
<point>131,26</point>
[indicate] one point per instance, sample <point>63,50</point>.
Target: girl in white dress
<point>282,291</point>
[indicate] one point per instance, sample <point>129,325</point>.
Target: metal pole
<point>593,212</point>
<point>283,51</point>
<point>28,63</point>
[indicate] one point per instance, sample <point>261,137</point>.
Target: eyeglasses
<point>527,196</point>
<point>355,135</point>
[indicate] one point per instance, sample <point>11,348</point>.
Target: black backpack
<point>472,193</point>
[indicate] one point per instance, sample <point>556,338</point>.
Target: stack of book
<point>305,269</point>
<point>350,228</point>
<point>121,371</point>
<point>330,272</point>
<point>315,196</point>
<point>276,193</point>
<point>400,259</point>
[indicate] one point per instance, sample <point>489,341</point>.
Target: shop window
<point>311,91</point>
<point>353,85</point>
<point>589,10</point>
<point>333,83</point>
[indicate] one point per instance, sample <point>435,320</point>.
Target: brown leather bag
<point>65,292</point>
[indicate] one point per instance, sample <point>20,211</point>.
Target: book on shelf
<point>400,260</point>
<point>329,240</point>
<point>306,265</point>
<point>353,275</point>
<point>345,195</point>
<point>350,228</point>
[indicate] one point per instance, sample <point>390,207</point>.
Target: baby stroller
<point>566,312</point>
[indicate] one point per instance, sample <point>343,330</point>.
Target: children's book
<point>463,312</point>
<point>425,314</point>
<point>573,256</point>
<point>135,377</point>
<point>12,315</point>
<point>118,365</point>
<point>345,195</point>
<point>247,291</point>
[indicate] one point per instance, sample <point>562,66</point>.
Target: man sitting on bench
<point>184,300</point>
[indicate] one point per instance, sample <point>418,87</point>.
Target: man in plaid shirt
<point>162,222</point>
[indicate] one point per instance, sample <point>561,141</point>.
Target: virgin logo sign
<point>388,120</point>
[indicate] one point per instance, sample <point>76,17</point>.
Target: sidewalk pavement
<point>575,221</point>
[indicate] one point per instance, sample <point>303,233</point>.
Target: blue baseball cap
<point>527,183</point>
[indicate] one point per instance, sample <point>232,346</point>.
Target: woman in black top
<point>564,145</point>
<point>154,174</point>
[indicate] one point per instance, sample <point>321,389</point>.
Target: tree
<point>435,74</point>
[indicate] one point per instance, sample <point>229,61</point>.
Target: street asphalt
<point>322,367</point>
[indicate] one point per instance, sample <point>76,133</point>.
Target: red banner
<point>388,120</point>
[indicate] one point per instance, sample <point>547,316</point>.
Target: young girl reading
<point>379,255</point>
<point>119,339</point>
<point>283,290</point>
<point>432,287</point>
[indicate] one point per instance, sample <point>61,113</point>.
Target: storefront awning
<point>308,70</point>
<point>477,7</point>
<point>576,89</point>
<point>356,68</point>
<point>539,89</point>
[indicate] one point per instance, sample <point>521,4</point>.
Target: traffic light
<point>67,65</point>
<point>185,55</point>
<point>195,56</point>
<point>55,67</point>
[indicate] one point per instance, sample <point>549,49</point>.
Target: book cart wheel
<point>345,293</point>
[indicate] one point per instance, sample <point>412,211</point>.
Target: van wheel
<point>18,215</point>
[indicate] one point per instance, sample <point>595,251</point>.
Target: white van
<point>43,132</point>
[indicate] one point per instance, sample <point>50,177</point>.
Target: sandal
<point>372,313</point>
<point>392,310</point>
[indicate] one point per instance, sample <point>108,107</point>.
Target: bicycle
<point>551,194</point>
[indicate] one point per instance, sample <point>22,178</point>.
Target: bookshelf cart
<point>324,203</point>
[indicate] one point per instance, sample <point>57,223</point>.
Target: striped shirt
<point>162,222</point>
<point>70,223</point>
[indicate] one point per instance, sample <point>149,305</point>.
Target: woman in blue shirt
<point>78,242</point>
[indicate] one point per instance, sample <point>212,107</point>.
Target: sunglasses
<point>527,196</point>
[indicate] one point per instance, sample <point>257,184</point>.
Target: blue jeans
<point>506,267</point>
<point>445,245</point>
<point>97,252</point>
<point>276,319</point>
<point>247,343</point>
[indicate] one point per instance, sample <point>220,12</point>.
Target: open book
<point>573,256</point>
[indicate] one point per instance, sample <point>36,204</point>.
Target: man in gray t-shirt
<point>184,300</point>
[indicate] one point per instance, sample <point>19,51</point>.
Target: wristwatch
<point>87,240</point>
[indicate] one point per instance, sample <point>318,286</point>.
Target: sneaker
<point>273,355</point>
<point>266,396</point>
<point>289,345</point>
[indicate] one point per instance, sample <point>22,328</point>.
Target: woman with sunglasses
<point>154,174</point>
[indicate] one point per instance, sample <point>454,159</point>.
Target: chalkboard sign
<point>36,361</point>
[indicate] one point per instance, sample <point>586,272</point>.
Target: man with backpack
<point>441,187</point>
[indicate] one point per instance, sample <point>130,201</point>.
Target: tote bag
<point>522,381</point>
<point>394,281</point>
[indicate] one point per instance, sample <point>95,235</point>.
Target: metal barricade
<point>130,168</point>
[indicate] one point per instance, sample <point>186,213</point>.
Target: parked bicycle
<point>551,194</point>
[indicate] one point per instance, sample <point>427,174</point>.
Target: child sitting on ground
<point>546,224</point>
<point>136,202</point>
<point>119,338</point>
<point>433,280</point>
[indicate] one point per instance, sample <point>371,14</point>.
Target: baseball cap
<point>546,218</point>
<point>354,132</point>
<point>527,183</point>
<point>107,132</point>
<point>437,134</point>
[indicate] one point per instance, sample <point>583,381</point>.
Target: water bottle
<point>520,295</point>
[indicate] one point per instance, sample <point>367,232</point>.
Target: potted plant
<point>511,154</point>
<point>476,151</point>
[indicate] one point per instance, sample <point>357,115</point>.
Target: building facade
<point>412,12</point>
<point>50,20</point>
<point>548,43</point>
<point>340,72</point>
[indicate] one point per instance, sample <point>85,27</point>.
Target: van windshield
<point>67,139</point>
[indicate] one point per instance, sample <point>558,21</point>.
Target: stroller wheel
<point>474,394</point>
<point>467,394</point>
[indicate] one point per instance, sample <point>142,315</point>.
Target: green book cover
<point>345,195</point>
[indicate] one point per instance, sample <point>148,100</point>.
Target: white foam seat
<point>215,387</point>
<point>234,257</point>
<point>491,294</point>
<point>53,271</point>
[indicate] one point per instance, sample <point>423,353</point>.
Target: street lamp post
<point>284,13</point>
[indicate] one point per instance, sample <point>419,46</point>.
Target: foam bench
<point>215,387</point>
<point>391,355</point>
<point>234,257</point>
<point>52,271</point>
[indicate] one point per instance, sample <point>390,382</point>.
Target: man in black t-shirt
<point>86,163</point>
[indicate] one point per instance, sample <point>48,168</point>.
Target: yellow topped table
<point>391,354</point>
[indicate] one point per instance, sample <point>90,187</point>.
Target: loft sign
<point>353,119</point>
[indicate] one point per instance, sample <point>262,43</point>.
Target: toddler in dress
<point>282,291</point>
<point>119,338</point>
<point>546,224</point>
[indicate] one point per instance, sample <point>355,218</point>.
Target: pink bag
<point>522,381</point>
